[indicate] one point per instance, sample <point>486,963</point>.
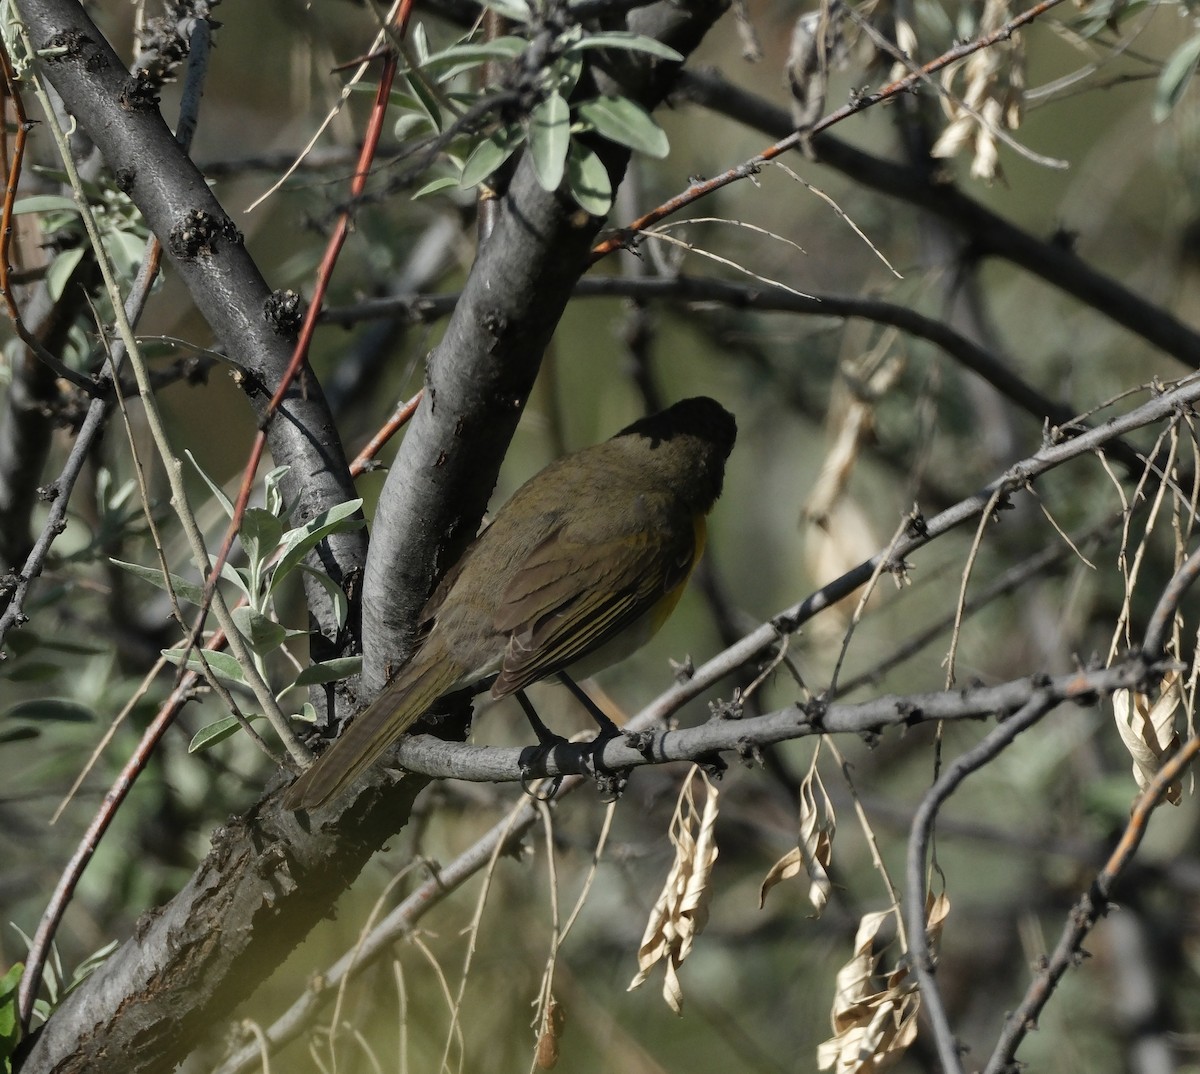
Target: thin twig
<point>129,313</point>
<point>503,835</point>
<point>641,746</point>
<point>995,129</point>
<point>333,250</point>
<point>771,298</point>
<point>171,465</point>
<point>401,416</point>
<point>152,528</point>
<point>986,232</point>
<point>985,516</point>
<point>1012,579</point>
<point>702,188</point>
<point>65,888</point>
<point>347,90</point>
<point>1131,572</point>
<point>918,851</point>
<point>887,558</point>
<point>1091,906</point>
<point>12,179</point>
<point>1161,619</point>
<point>868,830</point>
<point>1087,911</point>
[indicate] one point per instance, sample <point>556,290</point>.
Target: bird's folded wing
<point>570,599</point>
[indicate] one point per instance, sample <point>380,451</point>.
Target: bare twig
<point>1157,630</point>
<point>1010,581</point>
<point>13,177</point>
<point>400,922</point>
<point>93,425</point>
<point>65,889</point>
<point>1091,906</point>
<point>868,589</point>
<point>333,250</point>
<point>918,851</point>
<point>1087,911</point>
<point>968,353</point>
<point>640,746</point>
<point>986,516</point>
<point>400,417</point>
<point>703,188</point>
<point>989,234</point>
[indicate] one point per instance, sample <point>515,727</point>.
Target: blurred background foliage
<point>1014,847</point>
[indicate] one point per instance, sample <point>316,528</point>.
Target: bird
<point>578,569</point>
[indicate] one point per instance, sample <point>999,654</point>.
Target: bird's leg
<point>609,781</point>
<point>608,729</point>
<point>544,735</point>
<point>547,740</point>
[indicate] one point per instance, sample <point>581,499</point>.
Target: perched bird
<point>574,573</point>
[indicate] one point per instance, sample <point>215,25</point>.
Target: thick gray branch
<point>206,249</point>
<point>265,883</point>
<point>479,377</point>
<point>502,764</point>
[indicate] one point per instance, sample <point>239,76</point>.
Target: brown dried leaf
<point>906,43</point>
<point>886,1026</point>
<point>853,982</point>
<point>872,1029</point>
<point>784,869</point>
<point>546,1054</point>
<point>1148,730</point>
<point>991,101</point>
<point>937,909</point>
<point>814,849</point>
<point>818,46</point>
<point>681,910</point>
<point>853,426</point>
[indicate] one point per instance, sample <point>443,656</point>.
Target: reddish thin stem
<point>393,425</point>
<point>308,327</point>
<point>1088,910</point>
<point>12,180</point>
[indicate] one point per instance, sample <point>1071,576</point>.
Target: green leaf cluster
<point>123,232</point>
<point>556,130</point>
<point>272,555</point>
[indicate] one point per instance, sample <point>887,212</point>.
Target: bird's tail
<point>417,685</point>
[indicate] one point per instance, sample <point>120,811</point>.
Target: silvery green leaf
<point>1175,76</point>
<point>299,541</point>
<point>626,40</point>
<point>434,186</point>
<point>223,665</point>
<point>625,122</point>
<point>329,671</point>
<point>216,489</point>
<point>184,589</point>
<point>549,139</point>
<point>588,181</point>
<point>489,154</point>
